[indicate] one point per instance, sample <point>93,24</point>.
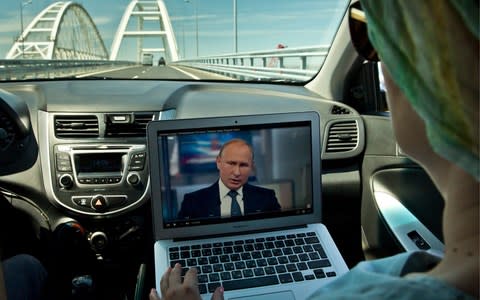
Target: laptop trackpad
<point>285,295</point>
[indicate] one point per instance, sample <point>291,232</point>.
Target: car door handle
<point>409,231</point>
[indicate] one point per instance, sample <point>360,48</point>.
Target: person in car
<point>22,277</point>
<point>430,60</point>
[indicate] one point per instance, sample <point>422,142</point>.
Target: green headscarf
<point>431,49</point>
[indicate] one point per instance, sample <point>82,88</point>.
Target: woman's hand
<point>172,287</point>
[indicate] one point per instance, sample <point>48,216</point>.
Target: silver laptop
<point>271,252</point>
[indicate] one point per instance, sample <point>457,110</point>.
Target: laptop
<point>284,253</point>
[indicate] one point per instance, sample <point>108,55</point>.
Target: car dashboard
<point>91,134</point>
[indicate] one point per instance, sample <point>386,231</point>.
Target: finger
<point>164,281</point>
<point>218,294</point>
<point>175,276</point>
<point>153,295</point>
<point>191,277</point>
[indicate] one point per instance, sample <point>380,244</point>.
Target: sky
<point>261,24</point>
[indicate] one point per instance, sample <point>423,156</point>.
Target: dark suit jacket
<point>205,202</point>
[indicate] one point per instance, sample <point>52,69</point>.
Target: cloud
<point>10,26</point>
<point>11,23</point>
<point>6,41</point>
<point>292,16</point>
<point>5,45</point>
<point>99,21</point>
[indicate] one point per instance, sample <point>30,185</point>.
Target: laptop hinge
<point>238,233</point>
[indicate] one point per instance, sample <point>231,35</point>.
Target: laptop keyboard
<point>248,263</point>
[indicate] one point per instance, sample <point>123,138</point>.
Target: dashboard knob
<point>70,237</point>
<point>3,134</point>
<point>66,181</point>
<point>133,179</point>
<point>98,240</point>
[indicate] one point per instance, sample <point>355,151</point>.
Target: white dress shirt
<point>226,200</point>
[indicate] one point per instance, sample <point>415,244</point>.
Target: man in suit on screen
<point>231,195</point>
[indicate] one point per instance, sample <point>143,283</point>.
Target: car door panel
<point>401,207</point>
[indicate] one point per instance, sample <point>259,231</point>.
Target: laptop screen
<point>271,162</point>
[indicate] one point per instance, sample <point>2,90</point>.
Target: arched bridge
<point>142,16</point>
<point>63,30</point>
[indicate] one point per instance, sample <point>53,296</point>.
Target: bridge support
<point>153,32</point>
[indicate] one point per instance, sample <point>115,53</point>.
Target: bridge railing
<point>297,64</point>
<point>23,69</point>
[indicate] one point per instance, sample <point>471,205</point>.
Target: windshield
<point>248,40</point>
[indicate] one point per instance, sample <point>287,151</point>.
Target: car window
<point>268,40</point>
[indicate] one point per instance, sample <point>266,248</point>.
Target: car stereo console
<point>99,179</point>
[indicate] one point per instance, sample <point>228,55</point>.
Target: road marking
<point>185,72</point>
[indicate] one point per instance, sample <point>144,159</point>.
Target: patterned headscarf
<point>431,49</point>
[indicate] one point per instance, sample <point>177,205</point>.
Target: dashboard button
<point>64,165</point>
<point>63,156</point>
<point>137,162</point>
<point>136,167</point>
<point>81,200</point>
<point>99,203</point>
<point>139,155</point>
<point>63,162</point>
<point>64,168</point>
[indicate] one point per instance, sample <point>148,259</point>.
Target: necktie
<point>235,209</point>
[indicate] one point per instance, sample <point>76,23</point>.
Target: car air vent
<point>338,110</point>
<point>168,114</point>
<point>342,136</point>
<point>127,125</point>
<point>76,126</point>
